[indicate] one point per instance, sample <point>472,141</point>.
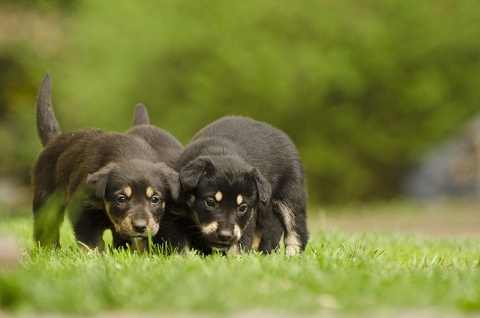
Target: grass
<point>340,273</point>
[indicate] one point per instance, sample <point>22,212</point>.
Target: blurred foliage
<point>362,88</point>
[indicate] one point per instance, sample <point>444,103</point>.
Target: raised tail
<point>47,124</point>
<point>141,116</point>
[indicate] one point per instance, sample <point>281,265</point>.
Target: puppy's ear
<point>263,186</point>
<point>172,179</point>
<point>98,180</point>
<point>191,173</point>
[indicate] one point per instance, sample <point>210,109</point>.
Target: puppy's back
<point>260,144</point>
<point>168,148</point>
<point>70,157</point>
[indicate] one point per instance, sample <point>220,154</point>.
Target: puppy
<point>105,181</point>
<point>239,178</point>
<point>169,149</point>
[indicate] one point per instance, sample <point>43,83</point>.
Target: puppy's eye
<point>155,199</point>
<point>210,203</point>
<point>121,199</point>
<point>243,208</point>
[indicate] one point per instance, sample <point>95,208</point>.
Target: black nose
<point>225,235</point>
<point>139,226</point>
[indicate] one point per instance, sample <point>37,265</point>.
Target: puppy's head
<point>223,194</point>
<point>134,194</point>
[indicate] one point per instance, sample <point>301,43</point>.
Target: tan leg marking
<point>292,243</point>
<point>287,215</point>
<point>256,240</point>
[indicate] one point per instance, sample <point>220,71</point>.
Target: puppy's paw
<point>292,250</point>
<point>292,245</point>
<point>234,251</point>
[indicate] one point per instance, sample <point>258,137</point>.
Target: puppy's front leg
<point>245,244</point>
<point>48,217</point>
<point>89,226</point>
<point>269,230</point>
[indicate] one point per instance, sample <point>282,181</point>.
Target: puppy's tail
<point>47,124</point>
<point>141,116</point>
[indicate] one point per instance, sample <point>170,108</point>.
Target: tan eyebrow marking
<point>149,192</point>
<point>128,191</point>
<point>218,196</point>
<point>239,199</point>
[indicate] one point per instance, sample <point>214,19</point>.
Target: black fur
<point>47,125</point>
<point>105,181</point>
<point>239,156</point>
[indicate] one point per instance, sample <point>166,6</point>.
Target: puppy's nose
<point>139,226</point>
<point>225,234</point>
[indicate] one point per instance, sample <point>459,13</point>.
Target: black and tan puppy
<point>105,181</point>
<point>169,149</point>
<point>239,178</point>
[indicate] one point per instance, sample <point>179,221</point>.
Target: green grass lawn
<point>358,273</point>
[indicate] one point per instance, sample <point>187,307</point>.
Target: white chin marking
<point>210,228</point>
<point>239,199</point>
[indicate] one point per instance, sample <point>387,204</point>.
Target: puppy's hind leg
<point>293,217</point>
<point>48,217</point>
<point>269,228</point>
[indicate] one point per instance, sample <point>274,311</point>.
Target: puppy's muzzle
<point>131,228</point>
<point>222,237</point>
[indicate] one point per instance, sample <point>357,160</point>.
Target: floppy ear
<point>191,173</point>
<point>98,180</point>
<point>172,178</point>
<point>263,186</point>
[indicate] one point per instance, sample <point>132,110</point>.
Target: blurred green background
<point>362,87</point>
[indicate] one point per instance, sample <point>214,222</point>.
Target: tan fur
<point>128,192</point>
<point>210,228</point>
<point>149,192</point>
<point>239,199</point>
